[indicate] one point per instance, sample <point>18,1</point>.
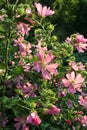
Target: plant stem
<point>6,60</point>
<point>15,5</point>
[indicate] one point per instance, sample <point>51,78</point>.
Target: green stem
<point>6,71</point>
<point>23,107</point>
<point>15,5</point>
<point>7,2</point>
<point>6,60</point>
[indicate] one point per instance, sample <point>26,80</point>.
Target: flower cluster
<point>42,84</point>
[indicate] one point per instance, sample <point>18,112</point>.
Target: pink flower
<point>43,10</point>
<point>68,40</point>
<point>27,89</point>
<point>81,44</point>
<point>18,41</point>
<point>20,123</point>
<point>83,101</point>
<point>23,28</point>
<point>53,110</point>
<point>69,122</point>
<point>78,66</point>
<point>33,119</point>
<point>84,121</point>
<point>24,49</point>
<point>73,83</point>
<point>78,41</point>
<point>77,119</point>
<point>26,67</point>
<point>44,65</point>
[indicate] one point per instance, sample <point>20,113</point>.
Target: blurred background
<point>70,17</point>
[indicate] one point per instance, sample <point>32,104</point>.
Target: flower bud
<point>51,27</point>
<point>20,11</point>
<point>54,38</point>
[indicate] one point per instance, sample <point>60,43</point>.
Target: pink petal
<point>71,76</point>
<point>40,55</point>
<point>49,12</point>
<point>52,68</point>
<point>44,11</point>
<point>39,8</point>
<point>71,90</point>
<point>79,79</point>
<point>66,82</point>
<point>45,74</point>
<point>24,127</point>
<point>84,46</point>
<point>79,49</point>
<point>17,126</point>
<point>37,66</point>
<point>49,57</point>
<point>74,66</point>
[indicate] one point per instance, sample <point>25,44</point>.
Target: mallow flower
<point>43,64</point>
<point>43,10</point>
<point>83,101</point>
<point>33,119</point>
<point>73,82</point>
<point>53,110</point>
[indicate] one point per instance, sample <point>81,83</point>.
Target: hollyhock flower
<point>24,49</point>
<point>73,82</point>
<point>81,44</point>
<point>26,67</point>
<point>23,28</point>
<point>44,64</point>
<point>84,121</point>
<point>78,41</point>
<point>19,85</point>
<point>18,41</point>
<point>18,79</point>
<point>69,122</point>
<point>53,110</point>
<point>77,119</point>
<point>68,40</point>
<point>33,119</point>
<point>43,10</point>
<point>83,101</point>
<point>3,120</point>
<point>77,66</point>
<point>29,89</point>
<point>20,123</point>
